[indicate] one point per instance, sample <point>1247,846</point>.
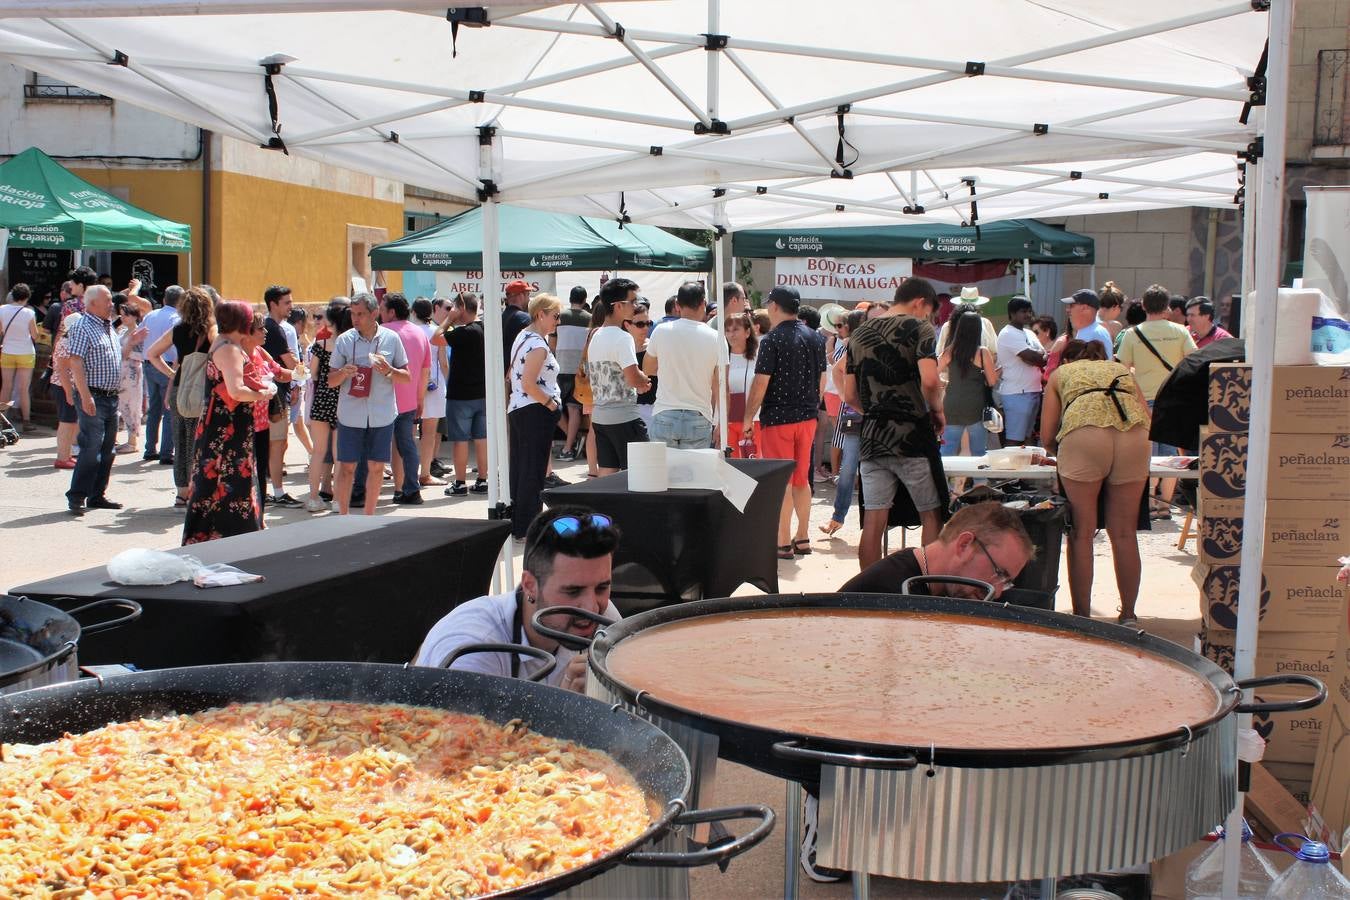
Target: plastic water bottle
<point>1312,877</point>
<point>1204,877</point>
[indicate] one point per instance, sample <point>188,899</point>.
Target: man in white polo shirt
<point>684,352</point>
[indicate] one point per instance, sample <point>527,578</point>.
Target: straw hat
<point>971,295</point>
<point>831,314</point>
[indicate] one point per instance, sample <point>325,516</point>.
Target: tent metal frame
<point>1262,217</point>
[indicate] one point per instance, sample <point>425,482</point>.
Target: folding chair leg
<point>1186,532</point>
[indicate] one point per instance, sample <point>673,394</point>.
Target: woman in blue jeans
<point>970,373</point>
<point>847,434</point>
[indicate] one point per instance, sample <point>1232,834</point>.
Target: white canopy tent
<point>732,115</point>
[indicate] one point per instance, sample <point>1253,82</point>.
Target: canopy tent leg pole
<point>1261,355</point>
<point>498,461</point>
<point>1250,201</point>
<point>723,352</point>
<point>1026,278</point>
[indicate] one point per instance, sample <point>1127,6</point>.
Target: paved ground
<point>39,539</point>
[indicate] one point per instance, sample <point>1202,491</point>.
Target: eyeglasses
<point>565,526</point>
<point>1004,579</point>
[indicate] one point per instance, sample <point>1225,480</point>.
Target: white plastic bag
<point>140,566</point>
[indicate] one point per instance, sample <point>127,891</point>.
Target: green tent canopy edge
<point>538,241</point>
<point>1009,239</point>
<point>44,204</point>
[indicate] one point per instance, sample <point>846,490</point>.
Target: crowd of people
<point>867,400</point>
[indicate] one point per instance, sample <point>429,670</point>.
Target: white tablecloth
<point>969,466</point>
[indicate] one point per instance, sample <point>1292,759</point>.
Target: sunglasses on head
<point>569,525</point>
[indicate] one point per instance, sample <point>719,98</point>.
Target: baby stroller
<point>9,435</point>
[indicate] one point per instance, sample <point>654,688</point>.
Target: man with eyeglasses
<point>569,557</point>
<point>985,541</point>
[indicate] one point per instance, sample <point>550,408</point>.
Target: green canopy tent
<point>1011,239</point>
<point>538,241</point>
<point>44,205</point>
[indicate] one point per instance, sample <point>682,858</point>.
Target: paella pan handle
<point>794,750</point>
<point>710,855</point>
<point>1320,694</point>
<point>949,579</point>
<point>133,613</point>
<point>550,662</point>
<point>566,638</point>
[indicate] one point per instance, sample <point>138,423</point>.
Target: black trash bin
<point>1045,526</point>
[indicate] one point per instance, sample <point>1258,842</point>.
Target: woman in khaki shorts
<point>1095,421</point>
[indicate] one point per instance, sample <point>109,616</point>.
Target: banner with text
<point>841,280</point>
<point>448,284</point>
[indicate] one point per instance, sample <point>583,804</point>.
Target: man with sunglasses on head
<point>984,541</point>
<point>569,556</point>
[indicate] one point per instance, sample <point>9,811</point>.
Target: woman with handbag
<point>743,343</point>
<point>847,439</point>
<point>18,352</point>
<point>225,496</point>
<point>193,334</point>
<point>971,376</point>
<point>583,394</point>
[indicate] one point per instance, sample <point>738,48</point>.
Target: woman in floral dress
<point>223,498</point>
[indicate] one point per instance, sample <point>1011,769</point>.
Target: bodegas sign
<point>842,280</point>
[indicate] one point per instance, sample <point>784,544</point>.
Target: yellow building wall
<point>266,232</point>
<point>173,193</point>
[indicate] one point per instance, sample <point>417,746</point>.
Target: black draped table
<point>344,588</point>
<point>692,542</point>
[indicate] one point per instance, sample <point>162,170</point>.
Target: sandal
<point>830,527</point>
<point>785,551</point>
<point>798,548</point>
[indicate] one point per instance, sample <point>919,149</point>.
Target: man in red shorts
<point>789,380</point>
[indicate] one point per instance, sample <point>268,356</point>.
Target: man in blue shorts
<point>366,362</point>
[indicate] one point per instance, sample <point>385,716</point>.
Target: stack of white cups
<point>647,467</point>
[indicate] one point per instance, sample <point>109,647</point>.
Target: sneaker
<point>124,448</point>
<point>28,428</point>
<point>285,500</point>
<point>439,469</point>
<point>457,490</point>
<point>166,460</point>
<point>413,499</point>
<point>479,486</point>
<point>315,505</point>
<point>326,496</point>
<point>358,499</point>
<point>566,455</point>
<point>554,481</point>
<point>149,455</point>
<point>816,873</point>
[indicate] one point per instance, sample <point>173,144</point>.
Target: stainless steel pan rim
<point>735,734</point>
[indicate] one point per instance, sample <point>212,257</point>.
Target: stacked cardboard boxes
<point>1330,789</point>
<point>1302,607</point>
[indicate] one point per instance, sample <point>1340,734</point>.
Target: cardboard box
<point>1302,466</point>
<point>1330,801</point>
<point>1308,399</point>
<point>1295,777</point>
<point>1293,598</point>
<point>1277,653</point>
<point>1298,533</point>
<point>1291,737</point>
